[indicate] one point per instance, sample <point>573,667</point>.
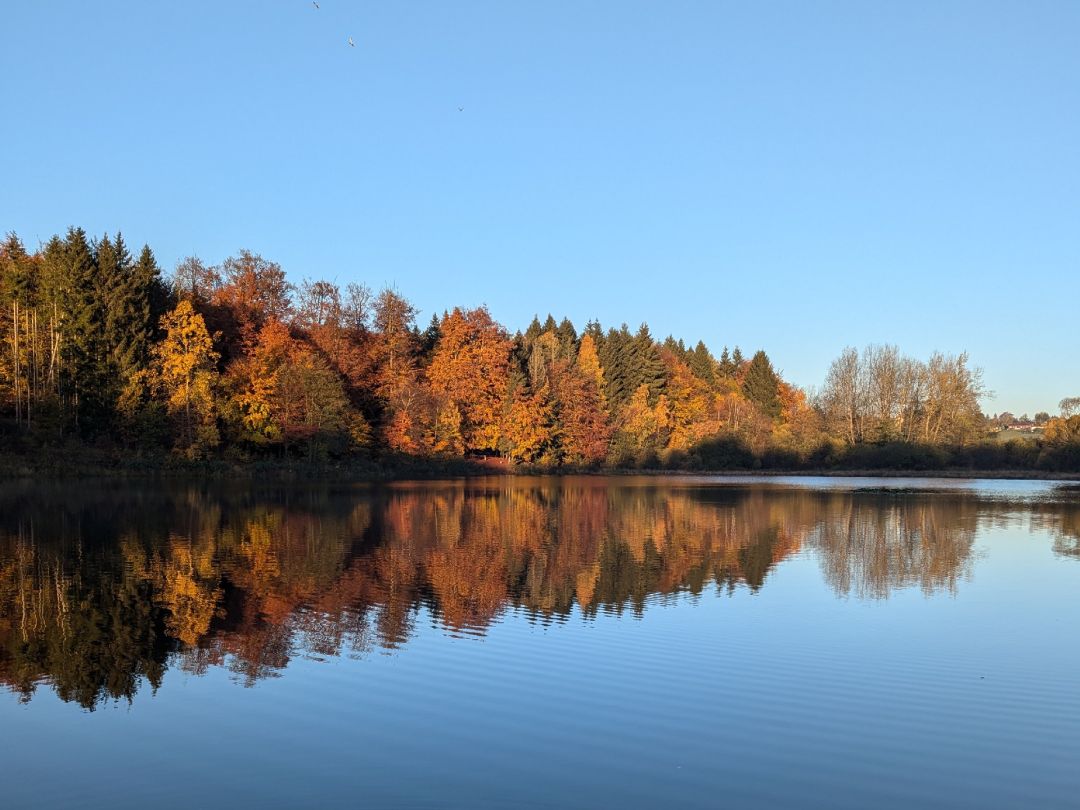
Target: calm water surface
<point>565,642</point>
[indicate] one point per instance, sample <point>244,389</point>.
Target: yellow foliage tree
<point>588,361</point>
<point>528,427</point>
<point>469,368</point>
<point>187,375</point>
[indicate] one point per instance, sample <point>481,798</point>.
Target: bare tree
<point>1070,406</point>
<point>842,396</point>
<point>883,396</point>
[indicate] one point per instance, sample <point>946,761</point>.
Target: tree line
<point>235,361</point>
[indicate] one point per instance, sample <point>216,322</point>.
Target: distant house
<point>1025,427</point>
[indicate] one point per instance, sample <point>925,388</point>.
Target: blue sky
<point>788,175</point>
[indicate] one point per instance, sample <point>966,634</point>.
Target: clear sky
<point>797,176</point>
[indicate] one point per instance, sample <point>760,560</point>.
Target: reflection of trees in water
<point>100,592</point>
<point>1062,521</point>
<point>871,545</point>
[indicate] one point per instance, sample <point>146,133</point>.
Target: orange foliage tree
<point>469,369</point>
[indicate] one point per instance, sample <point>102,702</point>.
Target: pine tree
<point>761,385</point>
<point>568,339</point>
<point>647,366</point>
<point>151,285</point>
<point>594,329</point>
<point>615,357</point>
<point>18,306</point>
<point>127,311</point>
<point>16,272</point>
<point>84,330</point>
<point>533,332</point>
<point>727,367</point>
<point>428,340</point>
<point>701,362</point>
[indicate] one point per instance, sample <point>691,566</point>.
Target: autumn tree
<point>186,372</point>
<point>286,394</point>
<point>529,432</point>
<point>252,291</point>
<point>691,405</point>
<point>396,379</point>
<point>469,368</point>
<point>583,425</point>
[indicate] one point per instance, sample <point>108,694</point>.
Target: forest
<point>235,364</point>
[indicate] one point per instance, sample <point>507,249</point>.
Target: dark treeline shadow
<point>103,588</point>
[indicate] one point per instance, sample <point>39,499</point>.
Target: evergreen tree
<point>150,284</point>
<point>647,367</point>
<point>568,339</point>
<point>615,356</point>
<point>127,312</point>
<point>594,330</point>
<point>428,340</point>
<point>17,280</point>
<point>533,332</point>
<point>83,326</point>
<point>727,367</point>
<point>701,362</point>
<point>761,385</point>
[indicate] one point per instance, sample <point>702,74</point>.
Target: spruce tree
<point>428,340</point>
<point>533,332</point>
<point>647,368</point>
<point>615,356</point>
<point>16,272</point>
<point>727,367</point>
<point>761,385</point>
<point>596,332</point>
<point>83,327</point>
<point>126,310</point>
<point>702,363</point>
<point>568,339</point>
<point>159,295</point>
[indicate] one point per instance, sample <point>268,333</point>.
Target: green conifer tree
<point>615,357</point>
<point>568,339</point>
<point>727,367</point>
<point>761,385</point>
<point>647,368</point>
<point>702,363</point>
<point>83,329</point>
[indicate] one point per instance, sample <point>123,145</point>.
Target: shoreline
<point>19,468</point>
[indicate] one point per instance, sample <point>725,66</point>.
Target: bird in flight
<point>315,3</point>
<point>461,109</point>
<point>351,43</point>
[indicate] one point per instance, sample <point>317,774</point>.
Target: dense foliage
<point>234,361</point>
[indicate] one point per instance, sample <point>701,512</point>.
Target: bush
<point>723,453</point>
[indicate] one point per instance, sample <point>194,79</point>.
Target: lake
<point>541,642</point>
